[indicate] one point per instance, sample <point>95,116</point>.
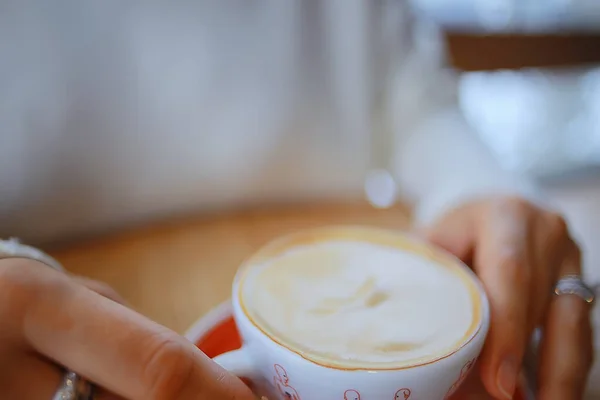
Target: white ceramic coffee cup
<point>263,358</point>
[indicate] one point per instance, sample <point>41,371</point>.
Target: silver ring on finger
<point>74,387</point>
<point>574,285</point>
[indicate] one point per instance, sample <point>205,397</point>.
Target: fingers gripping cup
<point>355,313</point>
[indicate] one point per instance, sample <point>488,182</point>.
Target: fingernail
<point>507,377</point>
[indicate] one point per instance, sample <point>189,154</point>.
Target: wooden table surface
<point>176,271</point>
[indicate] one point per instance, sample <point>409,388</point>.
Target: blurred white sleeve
<point>441,164</point>
<point>438,159</point>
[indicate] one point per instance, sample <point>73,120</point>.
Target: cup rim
<point>479,326</point>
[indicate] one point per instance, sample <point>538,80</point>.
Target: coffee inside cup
<point>359,298</point>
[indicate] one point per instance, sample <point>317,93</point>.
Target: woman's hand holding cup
<point>520,251</point>
<point>50,322</point>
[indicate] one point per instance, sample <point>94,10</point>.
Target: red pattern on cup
<point>403,394</point>
<point>464,372</point>
<point>281,381</point>
<point>351,394</point>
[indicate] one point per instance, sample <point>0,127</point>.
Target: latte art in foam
<point>357,304</point>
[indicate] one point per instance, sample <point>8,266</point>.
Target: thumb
<point>453,232</point>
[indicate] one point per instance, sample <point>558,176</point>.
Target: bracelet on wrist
<point>12,248</point>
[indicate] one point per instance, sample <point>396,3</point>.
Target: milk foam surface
<point>357,304</point>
